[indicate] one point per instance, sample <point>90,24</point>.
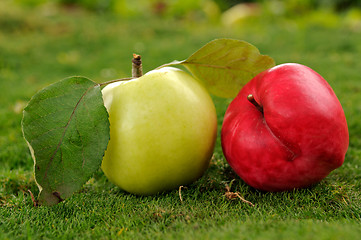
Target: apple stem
<point>250,98</point>
<point>137,70</point>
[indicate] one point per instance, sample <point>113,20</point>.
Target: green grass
<point>39,47</point>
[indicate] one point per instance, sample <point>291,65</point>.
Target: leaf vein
<point>219,67</point>
<point>65,129</point>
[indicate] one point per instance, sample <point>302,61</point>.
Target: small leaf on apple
<point>225,65</point>
<point>67,129</point>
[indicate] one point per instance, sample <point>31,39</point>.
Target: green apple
<point>163,127</point>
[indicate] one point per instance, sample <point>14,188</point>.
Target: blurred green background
<point>227,12</point>
<point>180,8</point>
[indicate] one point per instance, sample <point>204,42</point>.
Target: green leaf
<point>67,129</point>
<point>225,65</point>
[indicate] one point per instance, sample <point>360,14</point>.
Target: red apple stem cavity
<point>250,98</point>
<point>137,70</point>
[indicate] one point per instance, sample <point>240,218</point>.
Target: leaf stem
<point>137,70</point>
<point>175,62</point>
<point>115,80</point>
<point>35,202</point>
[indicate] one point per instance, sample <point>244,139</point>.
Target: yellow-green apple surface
<point>286,129</point>
<point>163,127</point>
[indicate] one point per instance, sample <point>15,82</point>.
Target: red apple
<point>286,129</point>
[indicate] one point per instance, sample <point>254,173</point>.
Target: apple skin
<point>163,128</point>
<point>300,137</point>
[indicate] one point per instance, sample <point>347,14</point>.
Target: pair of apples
<point>285,129</point>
